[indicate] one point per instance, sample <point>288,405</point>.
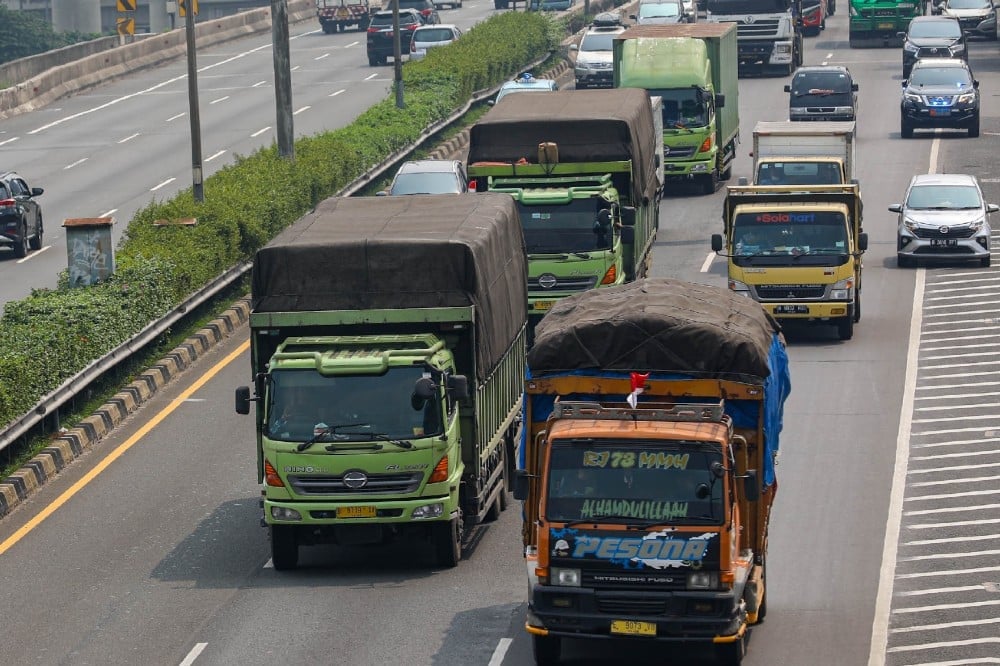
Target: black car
<point>20,215</point>
<point>427,8</point>
<point>940,92</point>
<point>822,92</point>
<point>933,37</point>
<point>380,34</point>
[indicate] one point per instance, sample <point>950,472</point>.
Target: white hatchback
<point>429,36</point>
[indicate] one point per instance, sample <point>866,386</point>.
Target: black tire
<point>857,307</point>
<point>985,262</point>
<point>762,608</point>
<point>372,61</point>
<point>974,128</point>
<point>845,328</point>
<point>546,649</point>
<point>831,8</point>
<point>727,174</point>
<point>731,654</point>
<point>21,246</point>
<point>905,129</point>
<point>854,42</point>
<point>328,29</point>
<point>448,543</point>
<point>284,548</point>
<point>710,182</point>
<point>36,241</point>
<point>903,261</point>
<point>383,60</point>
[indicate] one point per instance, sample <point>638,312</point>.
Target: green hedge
<point>53,334</point>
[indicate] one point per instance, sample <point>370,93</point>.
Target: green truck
<point>693,68</point>
<point>583,169</point>
<point>879,22</point>
<point>388,354</point>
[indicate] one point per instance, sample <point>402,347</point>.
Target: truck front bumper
<point>688,169</point>
<point>765,52</point>
<point>809,311</point>
<point>429,509</point>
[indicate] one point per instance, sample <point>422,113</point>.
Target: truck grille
<point>563,284</point>
<point>377,484</point>
<point>758,29</point>
<point>882,12</point>
<point>680,152</point>
<point>779,292</point>
<point>952,232</point>
<point>631,605</point>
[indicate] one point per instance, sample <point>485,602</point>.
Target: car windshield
<point>969,4</point>
<point>659,9</point>
<point>432,35</point>
<point>945,29</point>
<point>597,41</point>
<point>441,182</point>
<point>520,88</point>
<point>384,20</point>
<point>562,228</point>
<point>821,85</point>
<point>930,197</point>
<point>940,76</point>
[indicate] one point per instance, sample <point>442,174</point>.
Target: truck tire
<point>284,548</point>
<point>36,241</point>
<point>731,654</point>
<point>857,307</point>
<point>546,649</point>
<point>845,328</point>
<point>448,542</point>
<point>710,182</point>
<point>21,246</point>
<point>329,29</point>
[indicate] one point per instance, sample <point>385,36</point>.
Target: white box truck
<point>791,153</point>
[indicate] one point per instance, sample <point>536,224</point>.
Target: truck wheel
<point>857,307</point>
<point>546,649</point>
<point>448,542</point>
<point>732,654</point>
<point>845,328</point>
<point>372,61</point>
<point>710,182</point>
<point>284,548</point>
<point>36,240</point>
<point>727,174</point>
<point>328,29</point>
<point>21,246</point>
<point>762,608</point>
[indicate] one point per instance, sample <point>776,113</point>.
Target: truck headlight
<point>739,288</point>
<point>702,580</point>
<point>783,48</point>
<point>281,513</point>
<point>565,577</point>
<point>843,290</point>
<point>435,510</point>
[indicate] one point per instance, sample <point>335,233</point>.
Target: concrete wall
<point>64,77</point>
<point>26,68</point>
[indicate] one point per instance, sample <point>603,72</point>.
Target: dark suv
<point>940,93</point>
<point>933,37</point>
<point>380,35</point>
<point>823,92</point>
<point>427,8</point>
<point>20,215</point>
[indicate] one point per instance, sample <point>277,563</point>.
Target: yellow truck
<point>797,250</point>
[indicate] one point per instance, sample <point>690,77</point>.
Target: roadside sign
<point>182,6</point>
<point>126,5</point>
<point>125,26</point>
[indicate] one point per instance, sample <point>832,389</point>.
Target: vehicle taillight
<point>372,30</point>
<point>472,185</point>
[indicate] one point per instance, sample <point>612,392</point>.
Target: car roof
<point>822,68</point>
<point>926,19</point>
<point>425,166</point>
<point>941,62</point>
<point>425,28</point>
<point>532,84</point>
<point>388,12</point>
<point>943,179</point>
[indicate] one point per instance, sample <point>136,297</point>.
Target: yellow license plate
<point>633,628</point>
<point>356,512</point>
<point>886,26</point>
<point>544,305</point>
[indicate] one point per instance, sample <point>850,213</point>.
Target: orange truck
<point>652,415</point>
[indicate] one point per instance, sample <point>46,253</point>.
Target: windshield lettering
<point>642,510</point>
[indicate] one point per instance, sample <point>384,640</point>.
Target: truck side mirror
<point>854,87</point>
<point>751,489</point>
<point>716,243</point>
<point>863,242</point>
<point>521,480</point>
<point>628,216</point>
<point>458,387</point>
<point>788,88</point>
<point>243,400</point>
<point>720,100</point>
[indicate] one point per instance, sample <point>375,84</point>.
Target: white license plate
<point>943,242</point>
<point>791,309</point>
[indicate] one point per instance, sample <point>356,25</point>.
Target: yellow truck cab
<point>797,250</point>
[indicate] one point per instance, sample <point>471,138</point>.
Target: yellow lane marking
<point>117,453</point>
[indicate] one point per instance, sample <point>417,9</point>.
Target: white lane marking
<point>957,523</point>
<point>968,493</point>
<point>295,68</point>
<point>10,140</point>
<point>221,99</point>
<point>110,212</point>
<point>259,84</point>
<point>304,108</point>
<point>949,541</point>
<point>500,652</point>
<point>944,644</point>
<point>924,609</point>
<point>77,163</point>
<point>124,98</point>
<point>954,442</point>
<point>334,94</point>
<point>944,556</point>
<point>129,138</point>
<point>33,254</point>
<point>163,184</point>
<point>940,456</point>
<point>193,654</point>
<point>935,145</point>
<point>890,547</point>
<point>707,264</point>
<point>259,132</point>
<point>963,481</point>
<point>961,662</point>
<point>218,154</point>
<point>370,77</point>
<point>352,44</point>
<point>325,55</point>
<point>953,407</point>
<point>173,118</point>
<point>943,590</point>
<point>946,625</point>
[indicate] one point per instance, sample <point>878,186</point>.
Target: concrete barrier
<point>69,77</point>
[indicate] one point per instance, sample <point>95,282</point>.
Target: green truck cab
<point>693,68</point>
<point>388,350</point>
<point>652,417</point>
<point>582,168</point>
<point>879,22</point>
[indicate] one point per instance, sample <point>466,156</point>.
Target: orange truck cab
<point>652,415</point>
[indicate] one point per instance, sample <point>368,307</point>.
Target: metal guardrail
<point>79,382</point>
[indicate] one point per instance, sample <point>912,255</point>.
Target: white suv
<point>593,55</point>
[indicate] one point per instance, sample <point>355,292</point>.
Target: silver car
<point>943,217</point>
<point>429,177</point>
<point>429,36</point>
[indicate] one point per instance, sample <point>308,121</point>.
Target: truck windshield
<point>303,402</point>
<point>799,173</point>
<point>747,6</point>
<point>781,238</point>
<point>560,228</point>
<point>662,482</point>
<point>684,107</point>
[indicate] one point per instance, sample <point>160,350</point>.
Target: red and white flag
<point>638,386</point>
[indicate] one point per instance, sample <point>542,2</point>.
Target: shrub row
<point>53,334</point>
